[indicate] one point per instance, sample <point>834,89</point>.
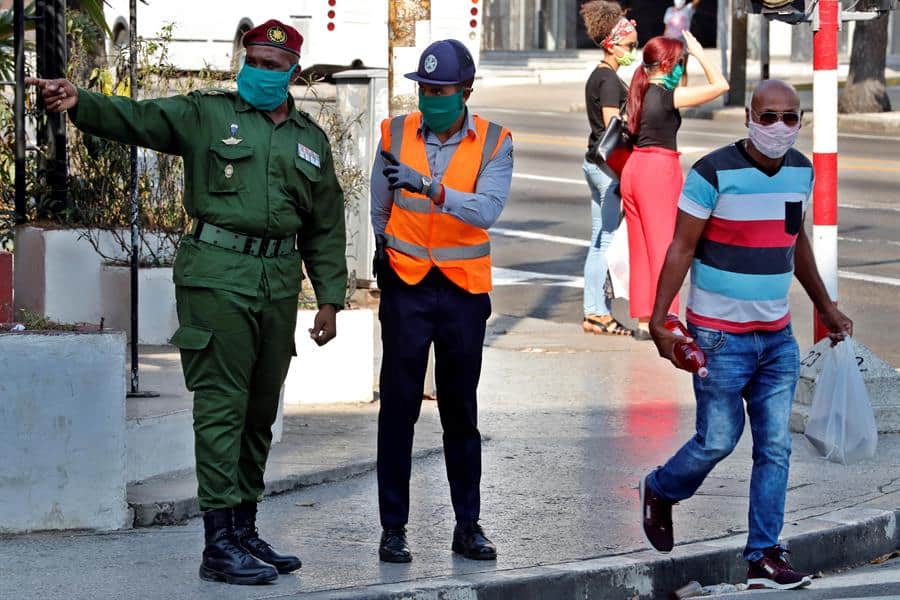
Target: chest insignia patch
<point>231,140</point>
<point>229,171</point>
<point>308,155</point>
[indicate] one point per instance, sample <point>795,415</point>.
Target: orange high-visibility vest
<point>419,234</point>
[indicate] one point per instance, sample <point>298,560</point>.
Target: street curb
<point>175,511</point>
<point>840,539</point>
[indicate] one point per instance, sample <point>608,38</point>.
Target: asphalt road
<point>544,230</point>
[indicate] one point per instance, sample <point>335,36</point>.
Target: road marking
<point>502,276</point>
<point>518,277</point>
<point>860,207</point>
<point>543,237</point>
<point>862,241</point>
<point>869,278</point>
<point>549,179</point>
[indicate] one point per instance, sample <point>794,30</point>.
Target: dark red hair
<point>662,53</point>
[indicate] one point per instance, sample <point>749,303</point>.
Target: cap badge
<point>430,64</point>
<point>276,35</point>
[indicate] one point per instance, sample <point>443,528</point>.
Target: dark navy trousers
<point>413,317</point>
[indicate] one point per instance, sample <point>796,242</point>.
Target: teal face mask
<point>627,59</point>
<point>440,112</point>
<point>264,89</point>
<point>671,79</point>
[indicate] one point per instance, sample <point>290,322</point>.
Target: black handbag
<point>612,151</point>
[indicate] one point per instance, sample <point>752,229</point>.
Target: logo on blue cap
<point>430,64</point>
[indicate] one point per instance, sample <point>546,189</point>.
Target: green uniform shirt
<point>266,185</point>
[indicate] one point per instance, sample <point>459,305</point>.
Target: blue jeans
<point>762,369</point>
<point>606,207</point>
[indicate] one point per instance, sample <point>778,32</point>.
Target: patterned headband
<point>620,31</point>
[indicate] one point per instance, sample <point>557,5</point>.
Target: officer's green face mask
<point>672,78</point>
<point>264,89</point>
<point>440,112</point>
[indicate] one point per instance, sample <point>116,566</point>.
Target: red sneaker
<point>656,519</point>
<point>774,571</point>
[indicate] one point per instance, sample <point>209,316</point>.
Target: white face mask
<point>773,140</point>
<point>679,4</point>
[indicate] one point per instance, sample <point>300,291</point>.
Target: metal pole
<point>825,147</point>
<point>19,107</point>
<point>722,31</point>
<point>764,48</point>
<point>737,96</point>
<point>134,210</point>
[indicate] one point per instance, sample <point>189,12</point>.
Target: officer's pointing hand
<point>324,327</point>
<point>59,94</point>
<point>399,175</point>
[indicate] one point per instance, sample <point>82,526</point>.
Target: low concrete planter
<point>341,371</point>
<point>157,320</point>
<point>58,273</point>
<point>62,431</point>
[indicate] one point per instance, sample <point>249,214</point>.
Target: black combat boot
<point>248,537</point>
<point>470,541</point>
<point>224,559</point>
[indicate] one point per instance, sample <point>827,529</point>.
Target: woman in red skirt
<point>652,178</point>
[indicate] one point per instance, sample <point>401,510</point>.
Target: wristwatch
<point>426,185</point>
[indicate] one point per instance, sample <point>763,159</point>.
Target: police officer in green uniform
<point>261,188</point>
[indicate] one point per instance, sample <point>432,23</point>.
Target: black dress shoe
<point>224,559</point>
<point>393,547</point>
<point>470,541</point>
<point>248,537</point>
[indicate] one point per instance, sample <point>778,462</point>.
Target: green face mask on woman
<point>627,58</point>
<point>671,79</point>
<point>440,112</point>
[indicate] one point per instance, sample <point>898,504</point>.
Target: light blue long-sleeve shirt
<point>480,208</point>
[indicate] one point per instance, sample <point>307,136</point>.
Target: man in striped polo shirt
<point>740,231</point>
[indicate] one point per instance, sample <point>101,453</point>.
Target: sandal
<point>609,326</point>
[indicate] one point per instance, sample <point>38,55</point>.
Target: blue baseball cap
<point>445,62</point>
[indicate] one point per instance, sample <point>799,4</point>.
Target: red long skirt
<point>650,186</point>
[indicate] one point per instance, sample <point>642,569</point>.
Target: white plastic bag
<point>841,422</point>
<point>617,260</point>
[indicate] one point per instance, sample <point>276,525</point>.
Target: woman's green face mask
<point>671,79</point>
<point>440,112</point>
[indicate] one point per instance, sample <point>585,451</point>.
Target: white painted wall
<point>157,319</point>
<point>62,432</point>
<point>58,274</point>
<point>341,371</point>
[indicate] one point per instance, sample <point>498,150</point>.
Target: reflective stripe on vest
<point>452,253</point>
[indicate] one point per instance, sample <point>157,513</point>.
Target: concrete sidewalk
<point>571,423</point>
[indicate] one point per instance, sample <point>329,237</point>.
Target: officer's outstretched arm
<point>162,124</point>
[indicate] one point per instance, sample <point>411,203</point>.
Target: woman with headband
<point>652,177</point>
<point>605,95</point>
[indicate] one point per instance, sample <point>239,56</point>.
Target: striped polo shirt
<point>744,261</point>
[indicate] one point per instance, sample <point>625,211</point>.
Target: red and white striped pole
<point>825,142</point>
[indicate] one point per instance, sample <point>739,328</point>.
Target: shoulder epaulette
<point>214,92</point>
<point>309,118</point>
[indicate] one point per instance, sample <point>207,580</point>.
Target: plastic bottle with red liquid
<point>688,355</point>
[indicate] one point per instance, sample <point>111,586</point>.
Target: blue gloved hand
<point>401,176</point>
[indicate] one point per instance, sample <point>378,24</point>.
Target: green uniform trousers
<point>235,353</point>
